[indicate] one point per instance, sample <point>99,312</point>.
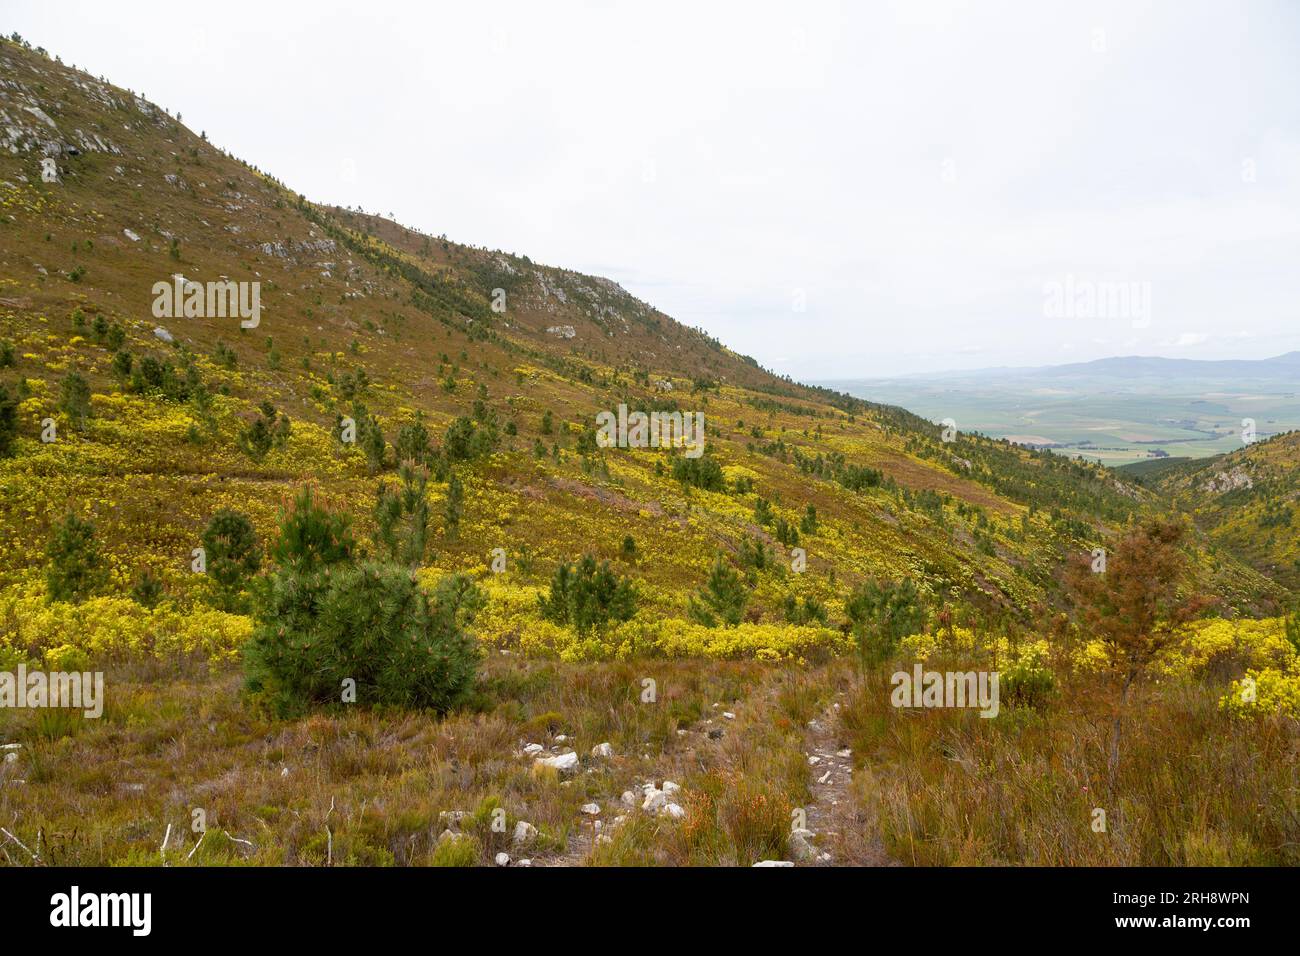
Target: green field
<point>1098,422</point>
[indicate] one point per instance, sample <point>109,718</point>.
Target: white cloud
<point>918,169</point>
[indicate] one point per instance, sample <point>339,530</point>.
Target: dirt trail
<point>842,822</point>
<point>843,828</point>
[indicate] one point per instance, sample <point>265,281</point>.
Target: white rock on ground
<point>672,810</point>
<point>814,761</point>
<point>654,799</point>
<point>524,863</point>
<point>451,819</point>
<point>503,859</point>
<point>533,749</point>
<point>591,809</point>
<point>728,715</point>
<point>162,334</point>
<point>525,833</point>
<point>565,763</point>
<point>602,750</point>
<point>801,847</point>
<point>773,863</point>
<point>670,787</point>
<point>629,798</point>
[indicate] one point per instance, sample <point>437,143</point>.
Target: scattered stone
<point>728,715</point>
<point>602,750</point>
<point>525,833</point>
<point>524,863</point>
<point>503,859</point>
<point>162,334</point>
<point>670,787</point>
<point>563,738</point>
<point>801,847</point>
<point>773,863</point>
<point>654,800</point>
<point>565,763</point>
<point>451,819</point>
<point>673,810</point>
<point>824,777</point>
<point>531,749</point>
<point>846,753</point>
<point>444,836</point>
<point>131,235</point>
<point>629,798</point>
<point>591,809</point>
<point>814,761</point>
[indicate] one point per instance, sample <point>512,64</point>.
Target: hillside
<point>1247,502</point>
<point>358,309</point>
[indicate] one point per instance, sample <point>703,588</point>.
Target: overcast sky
<point>840,190</point>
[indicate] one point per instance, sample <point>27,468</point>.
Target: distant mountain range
<point>1132,367</point>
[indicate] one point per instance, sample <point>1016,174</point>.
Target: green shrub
<point>8,422</point>
<point>467,440</point>
<point>370,623</point>
<point>312,536</point>
<point>588,596</point>
<point>148,589</point>
<point>414,442</point>
<point>74,398</point>
<point>723,599</point>
<point>269,430</point>
<point>1027,682</point>
<point>453,508</point>
<point>703,472</point>
<point>402,515</point>
<point>459,850</point>
<point>233,551</point>
<point>803,611</point>
<point>881,614</point>
<point>76,568</point>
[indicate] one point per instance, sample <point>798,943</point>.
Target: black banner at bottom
<point>333,906</point>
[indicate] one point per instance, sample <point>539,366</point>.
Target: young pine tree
<point>723,599</point>
<point>233,553</point>
<point>75,568</point>
<point>881,614</point>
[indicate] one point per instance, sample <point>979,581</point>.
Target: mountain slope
<point>357,309</point>
<point>1248,502</point>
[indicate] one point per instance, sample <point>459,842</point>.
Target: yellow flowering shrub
<point>675,637</point>
<point>1238,644</point>
<point>1265,692</point>
<point>116,627</point>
